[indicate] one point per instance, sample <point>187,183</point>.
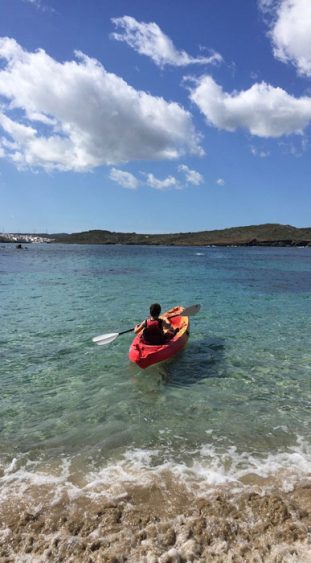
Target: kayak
<point>145,355</point>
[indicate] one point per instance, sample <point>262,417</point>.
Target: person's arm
<point>168,326</point>
<point>139,327</point>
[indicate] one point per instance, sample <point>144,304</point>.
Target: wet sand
<point>162,522</point>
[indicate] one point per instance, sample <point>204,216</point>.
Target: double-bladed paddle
<point>110,337</point>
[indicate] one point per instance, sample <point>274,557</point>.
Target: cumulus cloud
<point>130,181</point>
<point>76,116</point>
<point>265,111</point>
<point>148,39</point>
<point>220,182</point>
<point>291,31</point>
<point>124,179</point>
<point>192,176</point>
<point>168,182</point>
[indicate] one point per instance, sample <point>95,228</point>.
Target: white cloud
<point>124,179</point>
<point>259,152</point>
<point>266,5</point>
<point>192,176</point>
<point>220,182</point>
<point>36,3</point>
<point>265,111</point>
<point>296,149</point>
<point>291,31</point>
<point>168,182</point>
<point>40,5</point>
<point>76,115</point>
<point>148,39</point>
<point>130,181</point>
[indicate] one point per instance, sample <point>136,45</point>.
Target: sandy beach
<point>162,522</point>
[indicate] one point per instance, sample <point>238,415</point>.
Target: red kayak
<point>145,355</point>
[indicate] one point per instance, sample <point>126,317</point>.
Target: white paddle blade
<point>191,311</point>
<point>105,338</point>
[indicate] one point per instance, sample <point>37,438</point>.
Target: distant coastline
<point>255,235</point>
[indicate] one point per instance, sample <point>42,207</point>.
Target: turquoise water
<point>236,398</point>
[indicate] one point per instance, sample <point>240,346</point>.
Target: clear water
<point>239,392</point>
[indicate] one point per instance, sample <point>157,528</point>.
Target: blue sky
<point>147,116</point>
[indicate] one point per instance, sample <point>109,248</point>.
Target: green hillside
<point>257,235</point>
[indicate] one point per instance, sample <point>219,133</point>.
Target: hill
<point>256,235</point>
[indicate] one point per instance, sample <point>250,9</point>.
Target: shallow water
<point>233,410</point>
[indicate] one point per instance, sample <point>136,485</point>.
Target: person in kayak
<point>153,328</point>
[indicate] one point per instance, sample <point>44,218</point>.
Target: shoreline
<point>275,244</point>
<point>160,522</point>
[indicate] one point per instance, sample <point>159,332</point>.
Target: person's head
<point>155,309</point>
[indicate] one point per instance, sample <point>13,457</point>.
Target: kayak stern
<point>145,355</point>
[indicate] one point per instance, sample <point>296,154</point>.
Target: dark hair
<point>155,309</point>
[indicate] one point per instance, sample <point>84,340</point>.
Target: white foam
<point>208,467</point>
<point>19,475</point>
<point>240,464</point>
<point>11,468</point>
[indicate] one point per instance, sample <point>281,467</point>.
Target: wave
<point>205,467</point>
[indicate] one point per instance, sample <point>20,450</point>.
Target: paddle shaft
<point>125,331</point>
<point>107,338</point>
<point>131,329</point>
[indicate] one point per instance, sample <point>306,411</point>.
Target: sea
<point>206,457</point>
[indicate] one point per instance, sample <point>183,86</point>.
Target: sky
<point>154,116</point>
